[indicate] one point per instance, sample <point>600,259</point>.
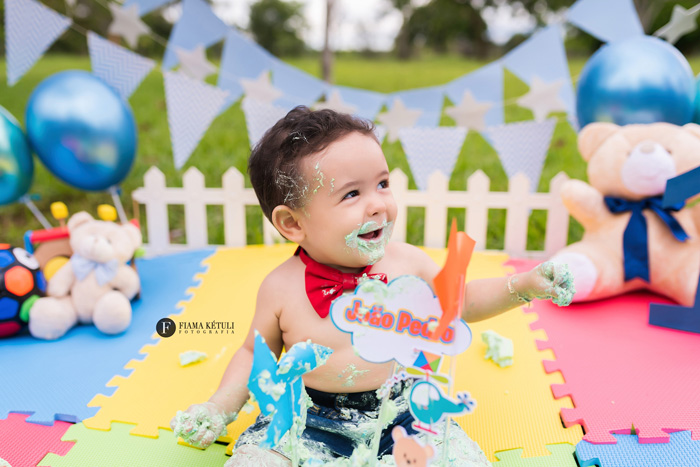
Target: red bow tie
<point>324,283</point>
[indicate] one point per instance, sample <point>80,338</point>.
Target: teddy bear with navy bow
<point>97,284</point>
<point>630,240</point>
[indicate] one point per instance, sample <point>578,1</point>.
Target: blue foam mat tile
<point>680,451</point>
<point>55,380</point>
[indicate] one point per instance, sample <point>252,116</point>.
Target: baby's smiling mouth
<point>373,235</point>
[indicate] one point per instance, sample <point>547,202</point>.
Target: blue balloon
<point>16,163</point>
<point>82,130</point>
<point>637,80</point>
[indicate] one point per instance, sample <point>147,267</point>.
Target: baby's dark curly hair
<point>274,168</point>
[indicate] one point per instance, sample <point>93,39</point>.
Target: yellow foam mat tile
<point>515,406</point>
<point>158,387</point>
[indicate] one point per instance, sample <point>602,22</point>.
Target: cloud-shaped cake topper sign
<point>395,321</point>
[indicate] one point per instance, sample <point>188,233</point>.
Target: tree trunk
<point>403,46</point>
<point>327,54</point>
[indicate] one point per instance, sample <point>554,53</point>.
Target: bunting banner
<point>297,86</point>
<point>146,6</point>
<point>119,67</point>
<point>522,147</point>
<point>543,56</point>
<point>197,26</point>
<point>477,98</point>
<point>397,117</point>
<point>241,58</point>
<point>30,29</point>
<point>428,100</point>
<point>259,117</point>
<point>366,103</point>
<point>192,106</point>
<point>431,149</point>
<point>607,20</point>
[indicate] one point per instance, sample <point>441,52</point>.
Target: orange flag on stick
<point>449,282</point>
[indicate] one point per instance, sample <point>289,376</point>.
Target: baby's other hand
<point>201,424</point>
<point>551,281</point>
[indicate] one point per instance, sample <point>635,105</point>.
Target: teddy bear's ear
<point>592,136</point>
<point>134,234</point>
<point>693,129</point>
<point>429,451</point>
<point>78,219</point>
<point>398,433</point>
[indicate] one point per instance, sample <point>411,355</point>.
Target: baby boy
<point>322,180</point>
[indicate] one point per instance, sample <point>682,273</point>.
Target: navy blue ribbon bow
<point>635,240</point>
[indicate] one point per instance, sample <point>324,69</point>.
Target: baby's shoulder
<point>285,276</point>
<point>404,258</point>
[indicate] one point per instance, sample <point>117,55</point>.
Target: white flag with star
<point>30,29</point>
<point>192,105</point>
<point>522,147</point>
<point>431,149</point>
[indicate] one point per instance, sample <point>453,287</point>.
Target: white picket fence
<point>518,202</point>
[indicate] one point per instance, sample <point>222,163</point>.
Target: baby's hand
<point>550,281</point>
<point>201,424</point>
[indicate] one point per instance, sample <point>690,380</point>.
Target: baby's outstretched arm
<point>485,298</point>
<point>201,424</point>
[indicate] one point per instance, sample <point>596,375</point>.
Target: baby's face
<point>350,211</point>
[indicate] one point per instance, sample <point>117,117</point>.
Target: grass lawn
<point>226,144</point>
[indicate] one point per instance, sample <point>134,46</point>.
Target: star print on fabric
<point>126,23</point>
<point>194,63</point>
<point>682,22</point>
<point>261,89</point>
<point>398,117</point>
<point>469,113</point>
<point>543,98</point>
<point>335,102</point>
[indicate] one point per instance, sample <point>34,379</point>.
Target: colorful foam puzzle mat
<point>620,371</point>
<point>119,393</point>
<point>680,451</point>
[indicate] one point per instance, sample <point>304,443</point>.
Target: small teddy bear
<point>408,451</point>
<point>95,286</point>
<point>631,241</point>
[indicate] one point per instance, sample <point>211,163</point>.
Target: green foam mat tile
<point>562,456</point>
<point>117,448</point>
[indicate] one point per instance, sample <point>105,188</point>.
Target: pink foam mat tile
<point>24,444</point>
<point>620,371</point>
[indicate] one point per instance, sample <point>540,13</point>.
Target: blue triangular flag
<point>30,29</point>
<point>241,58</point>
<point>485,85</point>
<point>192,105</point>
<point>146,6</point>
<point>299,87</point>
<point>119,67</point>
<point>522,147</point>
<point>608,20</point>
<point>431,149</point>
<point>543,55</point>
<point>428,100</point>
<point>368,103</point>
<point>198,25</point>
